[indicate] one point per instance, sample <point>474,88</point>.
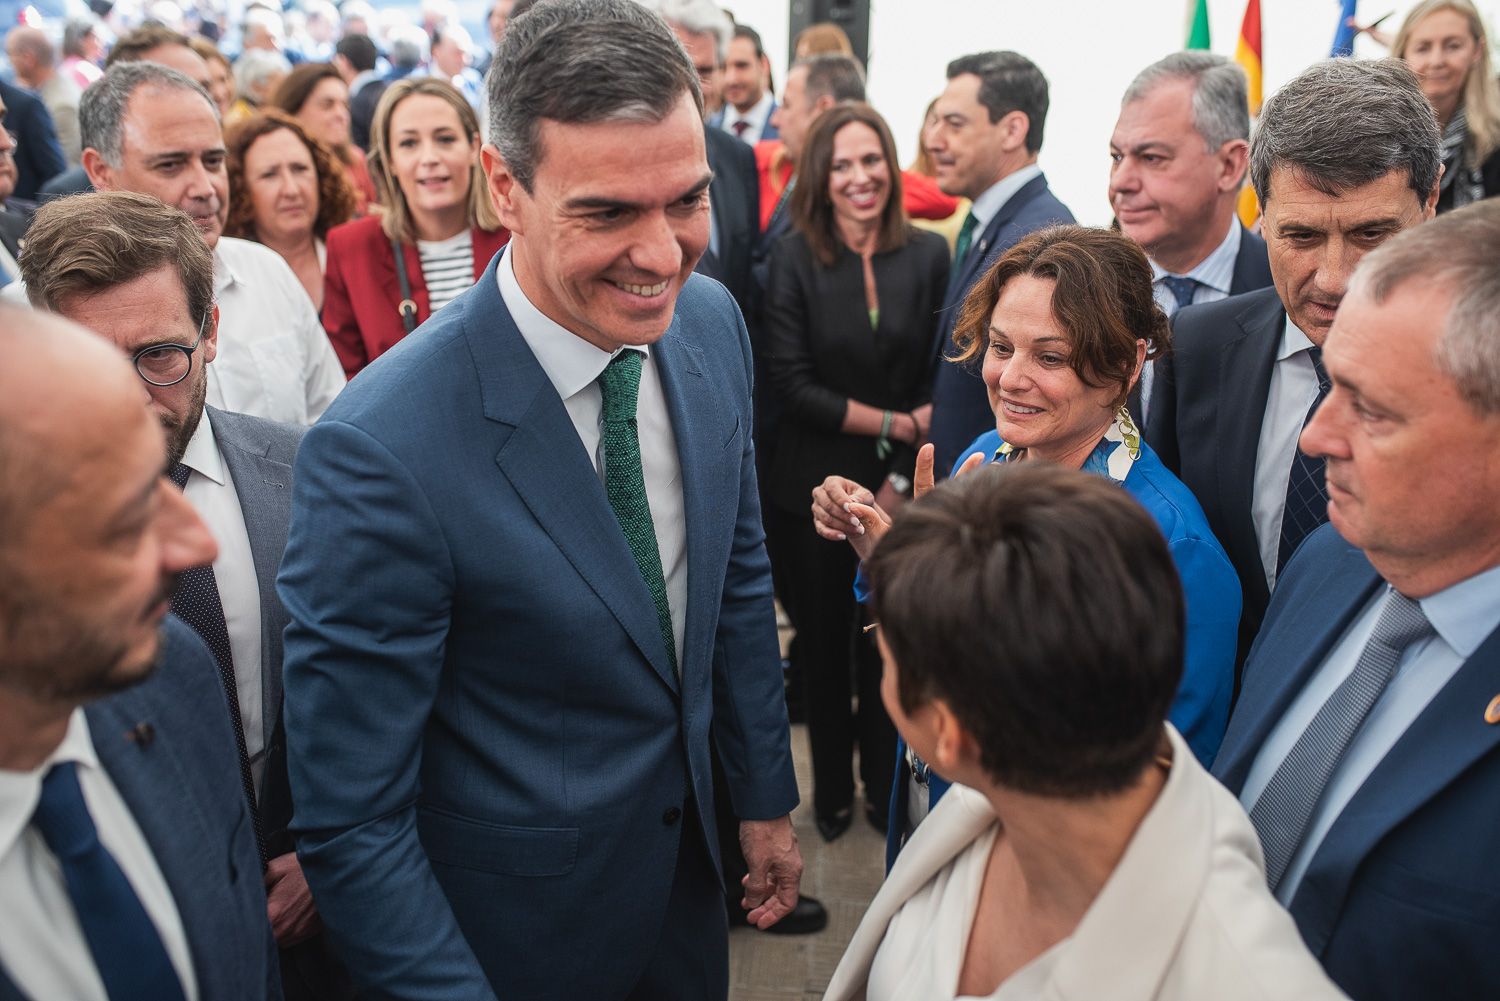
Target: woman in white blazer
<point>1031,625</point>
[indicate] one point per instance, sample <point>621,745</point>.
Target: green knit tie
<point>965,237</point>
<point>625,482</point>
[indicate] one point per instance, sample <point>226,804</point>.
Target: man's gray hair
<point>582,62</point>
<point>1221,102</point>
<point>1343,123</point>
<point>254,68</point>
<point>101,110</point>
<point>700,17</point>
<point>1460,252</point>
<point>408,44</point>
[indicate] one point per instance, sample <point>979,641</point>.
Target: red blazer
<point>361,293</point>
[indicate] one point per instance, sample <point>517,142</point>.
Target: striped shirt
<point>447,267</point>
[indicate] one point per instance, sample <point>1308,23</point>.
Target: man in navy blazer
<point>1179,154</point>
<point>127,855</point>
<point>1366,740</point>
<point>521,599</point>
<point>984,141</point>
<point>39,156</point>
<point>1229,401</point>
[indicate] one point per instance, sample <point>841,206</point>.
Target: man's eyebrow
<point>597,203</point>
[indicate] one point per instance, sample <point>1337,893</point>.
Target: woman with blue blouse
<point>1060,327</point>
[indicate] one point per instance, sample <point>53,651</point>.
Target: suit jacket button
<point>672,815</point>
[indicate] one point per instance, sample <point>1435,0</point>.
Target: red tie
<point>740,127</point>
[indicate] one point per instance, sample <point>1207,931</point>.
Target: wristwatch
<point>900,484</point>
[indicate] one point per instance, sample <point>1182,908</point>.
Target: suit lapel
<point>975,261</point>
<point>545,462</point>
<point>1441,743</point>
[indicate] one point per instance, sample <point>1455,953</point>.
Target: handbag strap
<point>407,307</point>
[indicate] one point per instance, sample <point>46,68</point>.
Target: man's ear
<point>1429,205</point>
<point>210,345</point>
<point>505,191</point>
<point>101,175</point>
<point>1233,162</point>
<point>954,750</point>
<point>1016,124</point>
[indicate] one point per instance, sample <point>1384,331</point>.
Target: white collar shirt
<point>210,489</point>
<point>1294,387</point>
<point>42,947</point>
<point>573,366</point>
<point>275,360</point>
<point>756,119</point>
<point>995,197</point>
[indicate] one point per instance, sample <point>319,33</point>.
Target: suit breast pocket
<point>505,850</point>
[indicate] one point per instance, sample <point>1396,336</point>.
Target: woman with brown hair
<point>850,311</point>
<point>436,231</point>
<point>317,96</point>
<point>1060,327</point>
<point>286,191</point>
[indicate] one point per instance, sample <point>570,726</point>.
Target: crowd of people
<point>408,450</point>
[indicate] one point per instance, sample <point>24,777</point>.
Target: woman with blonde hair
<point>1444,42</point>
<point>436,231</point>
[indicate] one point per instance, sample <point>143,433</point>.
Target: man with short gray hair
<point>34,59</point>
<point>1345,157</point>
<point>1179,154</point>
<point>150,129</point>
<point>1364,741</point>
<point>499,740</point>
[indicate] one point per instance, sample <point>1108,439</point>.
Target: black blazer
<point>822,353</point>
<point>735,193</point>
<point>1207,406</point>
<point>39,157</point>
<point>1489,173</point>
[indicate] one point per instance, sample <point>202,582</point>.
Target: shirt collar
<point>755,116</point>
<point>19,791</point>
<point>989,204</point>
<point>570,362</point>
<point>1293,340</point>
<point>224,275</point>
<point>202,452</point>
<point>1217,269</point>
<point>1466,613</point>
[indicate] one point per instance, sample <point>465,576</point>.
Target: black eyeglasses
<point>168,364</point>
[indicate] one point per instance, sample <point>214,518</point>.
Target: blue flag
<point>1343,35</point>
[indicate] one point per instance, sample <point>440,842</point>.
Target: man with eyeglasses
<point>138,272</point>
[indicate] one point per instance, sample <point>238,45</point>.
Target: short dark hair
<point>1008,81</point>
<point>297,86</point>
<point>810,208</point>
<point>1102,298</point>
<point>133,45</point>
<point>1042,605</point>
<point>1343,123</point>
<point>359,50</point>
<point>745,31</point>
<point>582,62</point>
<point>833,75</point>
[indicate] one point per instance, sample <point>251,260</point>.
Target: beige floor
<point>843,875</point>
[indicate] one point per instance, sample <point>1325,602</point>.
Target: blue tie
<point>1306,492</point>
<point>128,952</point>
<point>1182,289</point>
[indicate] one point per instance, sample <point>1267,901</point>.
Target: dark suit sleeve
<point>37,141</point>
<point>1161,426</point>
<point>789,323</point>
<point>938,265</point>
<point>750,723</point>
<point>367,583</point>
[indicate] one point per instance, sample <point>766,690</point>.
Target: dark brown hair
<point>978,589</point>
<point>812,211</point>
<point>133,45</point>
<point>336,197</point>
<point>1101,298</point>
<point>297,86</point>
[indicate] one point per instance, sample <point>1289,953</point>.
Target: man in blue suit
<point>984,141</point>
<point>127,855</point>
<point>526,576</point>
<point>1365,742</point>
<point>39,156</point>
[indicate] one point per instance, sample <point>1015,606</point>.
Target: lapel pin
<point>1492,711</point>
<point>142,734</point>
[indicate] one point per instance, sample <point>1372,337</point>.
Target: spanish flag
<point>1247,53</point>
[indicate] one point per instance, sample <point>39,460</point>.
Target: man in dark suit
<point>1180,150</point>
<point>1365,743</point>
<point>128,863</point>
<point>499,741</point>
<point>1346,156</point>
<point>39,156</point>
<point>984,141</point>
<point>138,273</point>
<point>749,112</point>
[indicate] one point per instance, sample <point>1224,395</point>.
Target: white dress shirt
<point>756,119</point>
<point>1462,616</point>
<point>573,365</point>
<point>1294,387</point>
<point>989,204</point>
<point>210,489</point>
<point>42,947</point>
<point>275,360</point>
<point>1214,274</point>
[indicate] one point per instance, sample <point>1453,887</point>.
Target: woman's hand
<point>923,416</point>
<point>830,512</point>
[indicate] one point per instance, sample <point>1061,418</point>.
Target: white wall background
<point>1089,50</point>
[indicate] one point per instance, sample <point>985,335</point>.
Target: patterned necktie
<point>128,952</point>
<point>965,238</point>
<point>196,601</point>
<point>1182,289</point>
<point>1306,492</point>
<point>1282,813</point>
<point>625,482</point>
<point>740,127</point>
